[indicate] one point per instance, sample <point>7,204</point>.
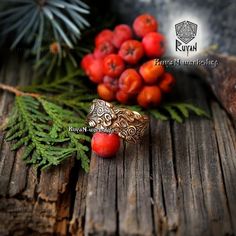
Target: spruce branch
<point>32,21</point>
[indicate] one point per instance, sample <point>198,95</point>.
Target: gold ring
<point>129,125</point>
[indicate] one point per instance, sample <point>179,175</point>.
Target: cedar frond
<point>43,127</point>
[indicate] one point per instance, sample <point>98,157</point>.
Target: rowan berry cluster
<point>123,64</point>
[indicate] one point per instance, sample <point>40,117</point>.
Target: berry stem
<point>16,91</point>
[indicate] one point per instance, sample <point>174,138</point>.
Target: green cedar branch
<point>176,111</point>
<point>43,128</point>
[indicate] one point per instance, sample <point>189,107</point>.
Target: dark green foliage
<point>43,127</point>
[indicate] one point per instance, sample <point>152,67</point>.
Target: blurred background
<point>217,15</point>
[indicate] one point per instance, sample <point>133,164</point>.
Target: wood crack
<point>151,178</point>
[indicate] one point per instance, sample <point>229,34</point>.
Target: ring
<point>129,125</point>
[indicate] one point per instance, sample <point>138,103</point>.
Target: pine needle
<point>32,21</point>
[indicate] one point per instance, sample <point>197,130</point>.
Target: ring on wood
<point>129,125</point>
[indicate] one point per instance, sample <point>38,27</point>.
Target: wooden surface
<point>180,180</point>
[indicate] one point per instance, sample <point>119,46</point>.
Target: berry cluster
<point>124,66</point>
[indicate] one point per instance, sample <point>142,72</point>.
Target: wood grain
<point>39,203</point>
<point>101,197</point>
<point>180,180</point>
<point>134,198</point>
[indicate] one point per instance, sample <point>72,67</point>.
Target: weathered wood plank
<point>203,203</point>
<point>18,180</point>
<point>54,190</point>
<point>9,76</point>
<point>38,202</point>
<point>79,208</point>
<point>134,198</point>
<point>166,216</point>
<point>54,181</point>
<point>226,141</point>
<point>101,197</point>
<point>180,180</point>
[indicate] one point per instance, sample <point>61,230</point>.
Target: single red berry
<point>131,51</point>
<point>106,93</point>
<point>144,24</point>
<point>111,83</point>
<point>121,34</point>
<point>123,97</point>
<point>113,65</point>
<point>104,49</point>
<point>149,96</point>
<point>167,83</point>
<point>151,71</point>
<point>86,61</point>
<point>154,44</point>
<point>105,145</point>
<point>105,35</point>
<point>130,81</point>
<point>95,71</point>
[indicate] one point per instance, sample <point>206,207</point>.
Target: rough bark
<point>222,80</point>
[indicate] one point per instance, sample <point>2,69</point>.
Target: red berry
<point>121,34</point>
<point>111,83</point>
<point>95,71</point>
<point>122,97</point>
<point>113,65</point>
<point>104,49</point>
<point>105,92</point>
<point>131,51</point>
<point>167,83</point>
<point>130,82</point>
<point>149,96</point>
<point>105,35</point>
<point>86,61</point>
<point>154,44</point>
<point>151,71</point>
<point>144,24</point>
<point>105,145</point>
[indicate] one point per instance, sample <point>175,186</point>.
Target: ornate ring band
<point>129,125</point>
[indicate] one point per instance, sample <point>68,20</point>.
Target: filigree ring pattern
<point>129,125</point>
